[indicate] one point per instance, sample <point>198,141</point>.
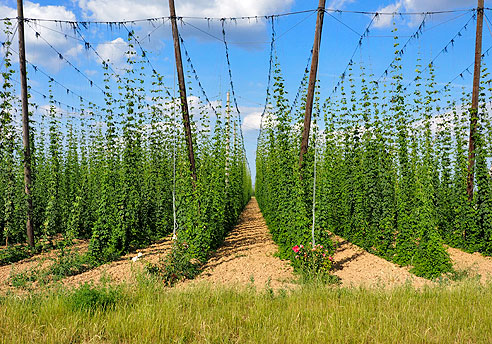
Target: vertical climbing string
<point>314,188</point>
<point>175,224</point>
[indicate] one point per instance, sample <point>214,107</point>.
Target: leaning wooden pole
<point>25,123</point>
<point>312,82</point>
<point>474,104</point>
<point>182,91</point>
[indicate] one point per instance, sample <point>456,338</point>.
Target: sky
<point>248,43</point>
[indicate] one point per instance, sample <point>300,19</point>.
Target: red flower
<point>295,249</point>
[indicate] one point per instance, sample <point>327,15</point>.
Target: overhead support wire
<point>52,79</point>
<point>195,74</point>
<point>56,102</point>
<point>234,98</point>
<point>416,34</point>
<point>61,57</point>
<point>86,23</point>
<point>351,60</point>
<point>234,92</point>
<point>302,84</point>
<point>269,79</point>
<point>444,50</point>
<point>144,54</point>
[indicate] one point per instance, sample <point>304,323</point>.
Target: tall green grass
<point>151,313</point>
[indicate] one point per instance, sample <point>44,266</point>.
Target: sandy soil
<point>473,263</point>
<point>357,267</point>
<point>124,269</point>
<point>42,260</point>
<point>247,257</point>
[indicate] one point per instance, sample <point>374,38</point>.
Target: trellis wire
<point>445,49</point>
<point>357,47</point>
<point>416,34</point>
<point>314,189</point>
<point>232,86</point>
<point>195,74</point>
<point>267,96</point>
<point>254,17</point>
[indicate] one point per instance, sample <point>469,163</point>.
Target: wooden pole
<point>312,81</point>
<point>474,105</point>
<point>25,124</point>
<point>182,91</point>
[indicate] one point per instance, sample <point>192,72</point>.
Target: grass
<point>147,312</point>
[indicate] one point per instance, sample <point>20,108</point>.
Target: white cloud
<point>118,10</point>
<point>252,121</point>
<point>435,5</point>
<point>386,20</point>
<point>339,4</point>
<point>114,51</point>
<point>37,51</point>
<point>110,10</point>
<point>90,72</point>
<point>420,6</point>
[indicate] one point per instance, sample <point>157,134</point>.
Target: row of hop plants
<point>283,190</point>
<point>391,170</point>
<point>108,174</point>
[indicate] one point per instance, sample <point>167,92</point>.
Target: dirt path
<point>247,257</point>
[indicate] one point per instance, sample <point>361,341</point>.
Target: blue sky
<point>248,44</point>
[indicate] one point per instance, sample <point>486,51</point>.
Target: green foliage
<point>284,197</point>
<point>94,298</point>
<point>152,313</point>
<point>67,263</point>
<point>14,254</point>
<point>178,265</point>
<point>313,262</point>
<point>392,169</point>
<point>119,174</point>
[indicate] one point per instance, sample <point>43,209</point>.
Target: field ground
<point>246,294</point>
<point>247,258</point>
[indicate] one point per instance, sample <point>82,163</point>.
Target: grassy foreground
<point>150,313</point>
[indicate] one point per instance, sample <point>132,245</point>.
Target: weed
<point>91,298</point>
<point>179,264</point>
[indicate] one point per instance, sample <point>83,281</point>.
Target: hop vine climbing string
<point>377,174</point>
<point>195,74</point>
<point>232,83</point>
<point>269,77</point>
<point>357,47</point>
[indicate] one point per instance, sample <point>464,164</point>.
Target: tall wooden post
<point>312,81</point>
<point>25,123</point>
<point>182,91</point>
<point>474,105</point>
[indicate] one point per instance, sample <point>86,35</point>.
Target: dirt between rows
<point>247,259</point>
